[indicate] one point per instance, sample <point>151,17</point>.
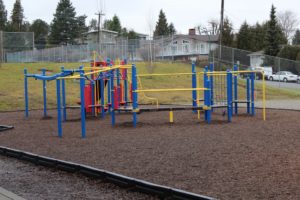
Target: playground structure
<point>112,88</point>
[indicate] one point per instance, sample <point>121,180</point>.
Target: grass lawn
<point>12,85</point>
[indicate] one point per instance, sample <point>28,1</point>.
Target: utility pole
<point>99,14</point>
<point>221,30</point>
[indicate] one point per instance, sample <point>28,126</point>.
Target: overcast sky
<point>185,14</point>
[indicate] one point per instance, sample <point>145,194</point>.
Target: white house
<point>182,46</point>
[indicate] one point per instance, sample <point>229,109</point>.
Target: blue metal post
<point>252,94</point>
<point>118,88</point>
<point>125,87</point>
<point>229,95</point>
<point>59,127</point>
<point>102,95</point>
<point>205,78</point>
<point>211,68</point>
<point>82,106</point>
<point>194,85</point>
<point>134,95</point>
<point>93,97</point>
<point>63,90</point>
<point>44,93</point>
<point>248,95</point>
<point>26,93</point>
<point>108,94</point>
<point>112,114</point>
<point>207,98</point>
<point>235,83</point>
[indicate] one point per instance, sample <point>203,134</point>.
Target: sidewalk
<point>7,195</point>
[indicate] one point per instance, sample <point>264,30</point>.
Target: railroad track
<point>126,182</point>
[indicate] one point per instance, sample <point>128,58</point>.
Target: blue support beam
<point>63,91</point>
<point>248,95</point>
<point>252,93</point>
<point>112,114</point>
<point>229,95</point>
<point>207,101</point>
<point>235,85</point>
<point>26,93</point>
<point>134,95</point>
<point>44,93</point>
<point>82,106</point>
<point>59,125</point>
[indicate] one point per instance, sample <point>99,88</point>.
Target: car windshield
<point>289,73</point>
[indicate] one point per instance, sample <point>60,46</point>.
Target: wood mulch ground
<point>245,159</point>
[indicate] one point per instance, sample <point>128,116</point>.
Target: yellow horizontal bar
<point>171,90</point>
<point>173,74</point>
<point>232,72</point>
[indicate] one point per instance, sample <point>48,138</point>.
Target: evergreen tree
<point>258,34</point>
<point>162,27</point>
<point>93,25</point>
<point>17,17</point>
<point>3,16</point>
<point>296,39</point>
<point>41,30</point>
<point>172,29</point>
<point>227,33</point>
<point>81,27</point>
<point>113,25</point>
<point>273,37</point>
<point>244,37</point>
<point>64,27</point>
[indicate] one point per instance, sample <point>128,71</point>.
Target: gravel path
<point>35,182</point>
<point>245,159</point>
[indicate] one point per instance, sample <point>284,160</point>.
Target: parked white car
<point>284,76</point>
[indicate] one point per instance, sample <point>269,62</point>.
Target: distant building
<point>257,58</point>
<point>106,37</point>
<point>185,47</point>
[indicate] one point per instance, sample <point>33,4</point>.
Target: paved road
<point>277,84</point>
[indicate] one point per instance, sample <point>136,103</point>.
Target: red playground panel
<point>88,98</point>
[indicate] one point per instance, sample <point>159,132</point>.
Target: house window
<point>185,46</point>
<point>202,48</point>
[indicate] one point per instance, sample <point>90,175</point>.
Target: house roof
<point>102,30</point>
<point>202,38</point>
<point>258,53</point>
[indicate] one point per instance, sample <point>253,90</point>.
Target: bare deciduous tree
<point>212,28</point>
<point>288,22</point>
